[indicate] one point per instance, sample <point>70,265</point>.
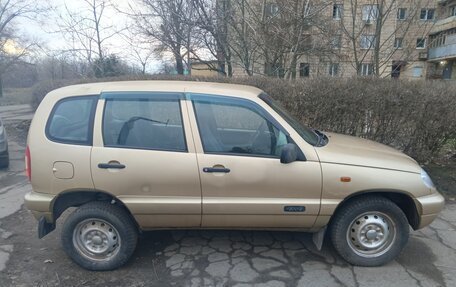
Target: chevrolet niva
<point>144,155</point>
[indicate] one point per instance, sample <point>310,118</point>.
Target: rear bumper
<point>430,207</point>
<point>40,205</point>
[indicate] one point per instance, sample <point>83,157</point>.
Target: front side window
<point>143,123</point>
<point>238,127</point>
<point>305,132</point>
<point>71,120</point>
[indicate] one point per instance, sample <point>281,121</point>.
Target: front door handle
<point>216,169</point>
<point>111,165</point>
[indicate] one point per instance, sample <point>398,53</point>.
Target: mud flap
<point>318,238</point>
<point>44,227</point>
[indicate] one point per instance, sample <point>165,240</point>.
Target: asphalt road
<point>205,258</point>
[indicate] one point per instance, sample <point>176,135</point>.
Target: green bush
<point>417,117</point>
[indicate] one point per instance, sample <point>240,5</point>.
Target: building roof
<point>158,86</point>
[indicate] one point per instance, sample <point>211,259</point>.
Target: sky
<point>45,30</point>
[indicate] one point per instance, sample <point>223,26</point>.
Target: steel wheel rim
<point>96,239</point>
<point>371,234</point>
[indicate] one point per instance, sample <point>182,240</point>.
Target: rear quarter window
<point>71,120</point>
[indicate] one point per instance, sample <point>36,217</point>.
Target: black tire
<point>344,228</point>
<point>104,212</point>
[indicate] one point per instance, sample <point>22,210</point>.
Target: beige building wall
<point>412,59</point>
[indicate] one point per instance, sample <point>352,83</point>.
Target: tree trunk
<point>179,64</point>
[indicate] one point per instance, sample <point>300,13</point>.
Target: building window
<point>272,9</point>
<point>453,11</point>
<point>337,11</point>
<point>336,42</point>
<point>367,41</point>
<point>370,13</point>
<point>420,43</point>
<point>417,72</point>
<point>366,69</point>
<point>304,70</point>
<point>427,14</point>
<point>398,43</point>
<point>334,69</point>
<point>401,13</point>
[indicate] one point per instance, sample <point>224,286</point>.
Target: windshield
<point>306,133</point>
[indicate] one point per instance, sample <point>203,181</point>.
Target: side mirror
<point>289,153</point>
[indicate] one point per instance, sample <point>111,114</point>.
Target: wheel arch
<point>402,199</point>
<point>75,198</point>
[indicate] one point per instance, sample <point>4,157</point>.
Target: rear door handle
<point>111,165</point>
<point>216,169</point>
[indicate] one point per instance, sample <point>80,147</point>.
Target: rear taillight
<point>28,165</point>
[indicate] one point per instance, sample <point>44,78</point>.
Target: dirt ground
<point>207,258</point>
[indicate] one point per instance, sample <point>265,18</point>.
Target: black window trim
<point>89,141</point>
<point>264,113</point>
<point>153,96</point>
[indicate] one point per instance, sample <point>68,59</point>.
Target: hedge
<point>417,117</point>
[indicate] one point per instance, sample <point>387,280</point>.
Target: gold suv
<point>145,155</point>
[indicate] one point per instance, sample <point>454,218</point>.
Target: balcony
<point>442,52</point>
<point>443,25</point>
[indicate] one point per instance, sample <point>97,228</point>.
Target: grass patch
<point>16,96</point>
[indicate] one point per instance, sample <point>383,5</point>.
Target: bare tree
<point>88,31</point>
<point>13,47</point>
<point>168,23</point>
<point>139,49</point>
<point>372,31</point>
<point>212,30</point>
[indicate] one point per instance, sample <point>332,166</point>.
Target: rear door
<point>144,155</point>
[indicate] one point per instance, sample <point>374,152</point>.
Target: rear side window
<point>144,123</point>
<point>71,120</point>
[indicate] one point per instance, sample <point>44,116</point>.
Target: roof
<point>158,86</point>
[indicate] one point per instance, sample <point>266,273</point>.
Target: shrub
<point>417,117</point>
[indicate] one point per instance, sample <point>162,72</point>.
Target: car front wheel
<point>99,236</point>
<point>369,231</point>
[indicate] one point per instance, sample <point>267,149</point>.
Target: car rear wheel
<point>369,231</point>
<point>99,236</point>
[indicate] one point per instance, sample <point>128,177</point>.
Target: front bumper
<point>429,207</point>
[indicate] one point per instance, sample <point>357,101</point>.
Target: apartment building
<point>408,39</point>
<point>442,43</point>
<point>387,38</point>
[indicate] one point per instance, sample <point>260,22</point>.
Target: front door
<point>244,185</point>
<point>142,155</point>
